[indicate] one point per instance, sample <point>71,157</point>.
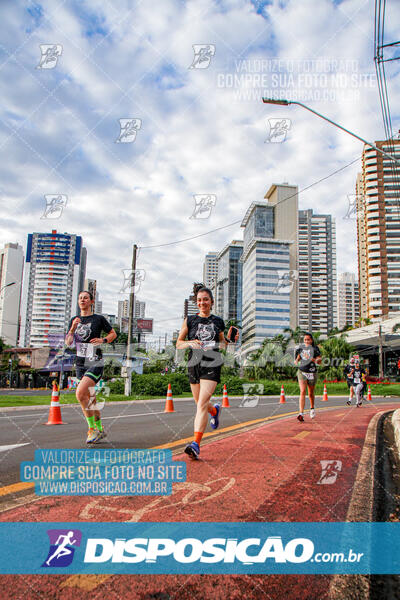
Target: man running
<point>348,373</point>
<point>359,382</point>
<point>86,331</point>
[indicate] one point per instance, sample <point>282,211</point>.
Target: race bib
<point>208,345</point>
<point>309,375</point>
<point>357,380</point>
<point>85,351</point>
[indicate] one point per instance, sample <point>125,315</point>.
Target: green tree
<point>335,352</point>
<point>294,334</point>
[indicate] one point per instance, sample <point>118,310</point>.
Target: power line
<point>236,222</point>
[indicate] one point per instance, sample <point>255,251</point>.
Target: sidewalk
<point>272,473</point>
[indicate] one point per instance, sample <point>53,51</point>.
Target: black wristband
<point>105,340</point>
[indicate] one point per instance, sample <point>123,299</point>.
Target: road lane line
<point>16,487</point>
<point>301,435</point>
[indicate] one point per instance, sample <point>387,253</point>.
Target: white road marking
<point>12,446</point>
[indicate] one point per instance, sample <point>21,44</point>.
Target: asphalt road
<point>138,424</point>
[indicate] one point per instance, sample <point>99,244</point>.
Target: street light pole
<point>284,102</point>
<point>128,380</point>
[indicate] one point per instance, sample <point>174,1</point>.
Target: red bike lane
<point>270,473</point>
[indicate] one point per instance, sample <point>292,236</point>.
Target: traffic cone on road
<point>369,397</point>
<point>225,399</point>
<point>325,395</point>
<point>282,398</point>
<point>169,403</point>
<point>55,410</point>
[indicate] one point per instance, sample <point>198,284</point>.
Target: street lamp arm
<point>287,102</point>
<point>7,285</point>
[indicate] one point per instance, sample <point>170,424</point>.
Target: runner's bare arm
<point>69,338</point>
<point>182,342</point>
<point>110,337</point>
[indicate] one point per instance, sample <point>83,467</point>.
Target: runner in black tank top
<point>205,333</point>
<point>86,331</point>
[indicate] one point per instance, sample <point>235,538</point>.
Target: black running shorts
<point>203,372</point>
<point>94,373</point>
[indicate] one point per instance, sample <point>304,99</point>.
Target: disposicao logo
<point>61,551</point>
<point>190,550</point>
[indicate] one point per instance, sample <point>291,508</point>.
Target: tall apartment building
<point>378,231</point>
<point>348,300</point>
<point>54,275</point>
<point>11,269</point>
<point>190,307</point>
<point>91,286</point>
<point>269,297</point>
<point>139,310</point>
<point>228,288</point>
<point>317,272</point>
<point>210,269</point>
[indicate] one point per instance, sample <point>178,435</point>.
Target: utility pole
<point>380,352</point>
<point>128,380</point>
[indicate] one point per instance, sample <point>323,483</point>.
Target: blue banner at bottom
<point>189,548</point>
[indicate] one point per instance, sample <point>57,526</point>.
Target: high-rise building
<point>228,289</point>
<point>210,269</point>
<point>317,272</point>
<point>348,300</point>
<point>54,275</point>
<point>190,307</point>
<point>98,304</point>
<point>269,258</point>
<point>11,269</point>
<point>123,312</point>
<point>90,285</point>
<point>378,231</point>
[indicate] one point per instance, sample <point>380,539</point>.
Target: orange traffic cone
<point>282,398</point>
<point>169,403</point>
<point>225,399</point>
<point>55,410</point>
<point>325,396</point>
<point>369,397</point>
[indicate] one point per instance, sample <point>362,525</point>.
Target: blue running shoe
<point>214,420</point>
<point>193,450</point>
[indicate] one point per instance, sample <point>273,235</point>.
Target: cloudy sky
<point>187,77</point>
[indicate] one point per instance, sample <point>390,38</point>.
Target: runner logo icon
<point>61,551</point>
<point>330,471</point>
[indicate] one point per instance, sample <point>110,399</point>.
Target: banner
<point>188,548</point>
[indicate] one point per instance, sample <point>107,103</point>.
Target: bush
<point>117,386</point>
<point>153,384</point>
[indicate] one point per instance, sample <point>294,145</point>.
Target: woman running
<point>86,331</point>
<point>307,357</point>
<point>205,336</point>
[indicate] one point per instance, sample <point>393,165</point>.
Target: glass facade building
<point>266,260</point>
<point>229,282</point>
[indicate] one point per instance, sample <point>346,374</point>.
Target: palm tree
<point>337,351</point>
<point>294,334</point>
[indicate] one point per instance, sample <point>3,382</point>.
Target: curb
<point>361,508</point>
<point>396,429</point>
